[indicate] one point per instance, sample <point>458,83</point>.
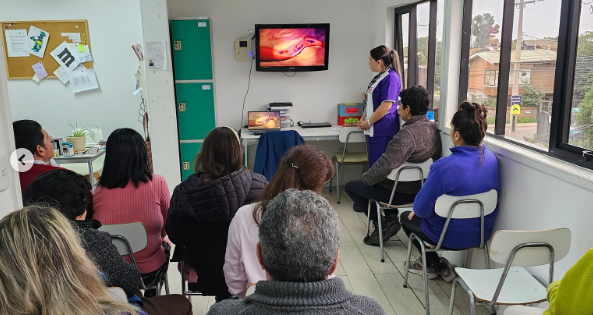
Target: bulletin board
<point>21,67</point>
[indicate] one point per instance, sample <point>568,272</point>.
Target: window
<point>534,54</point>
<point>418,41</point>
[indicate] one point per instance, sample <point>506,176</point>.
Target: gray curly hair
<point>299,236</point>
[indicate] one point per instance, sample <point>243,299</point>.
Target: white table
<point>308,134</point>
<point>82,158</point>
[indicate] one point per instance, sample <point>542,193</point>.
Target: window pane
<point>581,119</point>
<point>405,41</point>
<point>533,68</point>
<point>423,20</point>
<point>439,46</point>
<point>485,55</point>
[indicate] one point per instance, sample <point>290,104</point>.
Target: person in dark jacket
<point>203,206</point>
<point>67,191</point>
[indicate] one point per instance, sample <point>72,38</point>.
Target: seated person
<point>302,167</point>
<point>46,271</point>
<point>417,141</point>
<point>297,283</point>
<point>129,192</point>
<point>29,135</point>
<point>204,204</point>
<point>571,295</point>
<point>470,169</point>
<point>66,191</point>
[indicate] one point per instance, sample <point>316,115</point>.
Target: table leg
<point>91,175</point>
<point>245,152</point>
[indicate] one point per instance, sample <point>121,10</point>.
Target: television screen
<point>292,47</point>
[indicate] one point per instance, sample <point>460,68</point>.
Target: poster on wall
<point>15,42</point>
<point>156,54</point>
<point>36,41</point>
<point>66,56</point>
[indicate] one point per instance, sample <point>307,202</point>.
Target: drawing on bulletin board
<point>26,43</point>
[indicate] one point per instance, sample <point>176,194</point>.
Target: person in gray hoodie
<point>417,141</point>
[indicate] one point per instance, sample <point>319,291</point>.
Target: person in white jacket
<point>302,167</point>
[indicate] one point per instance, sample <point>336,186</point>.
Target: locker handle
<point>177,45</point>
<point>186,166</point>
<point>182,107</point>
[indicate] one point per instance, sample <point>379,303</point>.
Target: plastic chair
<point>454,207</point>
<point>130,238</point>
<point>191,289</point>
<point>513,285</point>
<point>407,172</point>
<point>348,135</point>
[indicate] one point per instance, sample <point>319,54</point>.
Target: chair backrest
<point>133,232</point>
<point>118,294</point>
<point>410,172</point>
<point>352,135</point>
<point>504,241</point>
<point>468,207</point>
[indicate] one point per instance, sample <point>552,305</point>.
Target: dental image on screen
<point>292,47</point>
<point>264,120</point>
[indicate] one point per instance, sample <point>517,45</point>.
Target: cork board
<point>20,67</point>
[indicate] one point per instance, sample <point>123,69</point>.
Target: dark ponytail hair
<point>470,121</point>
<point>390,58</point>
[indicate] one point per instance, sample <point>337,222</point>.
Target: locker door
<point>188,152</point>
<point>195,110</point>
<point>192,53</point>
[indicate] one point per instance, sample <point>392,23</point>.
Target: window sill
<point>563,170</point>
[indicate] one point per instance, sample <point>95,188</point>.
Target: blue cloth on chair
<point>271,147</point>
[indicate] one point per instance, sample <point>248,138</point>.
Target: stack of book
<point>284,115</point>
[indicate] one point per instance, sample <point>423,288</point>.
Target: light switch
<point>4,182</point>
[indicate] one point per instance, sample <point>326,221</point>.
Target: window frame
<point>413,76</point>
<point>561,102</point>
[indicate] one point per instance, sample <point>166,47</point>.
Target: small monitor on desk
<point>260,122</point>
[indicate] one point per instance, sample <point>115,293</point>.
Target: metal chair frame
<point>337,165</point>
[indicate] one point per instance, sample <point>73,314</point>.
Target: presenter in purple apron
<point>380,120</point>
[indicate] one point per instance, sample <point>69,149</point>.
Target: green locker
<point>192,53</point>
<point>188,152</point>
<point>195,110</point>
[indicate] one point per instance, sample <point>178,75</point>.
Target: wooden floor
<point>361,269</point>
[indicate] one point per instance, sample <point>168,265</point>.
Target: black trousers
<point>361,193</point>
<point>413,226</point>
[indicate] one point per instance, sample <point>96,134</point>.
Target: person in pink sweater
<point>128,192</point>
<point>302,167</point>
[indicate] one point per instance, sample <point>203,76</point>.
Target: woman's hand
<point>411,215</point>
<point>364,125</point>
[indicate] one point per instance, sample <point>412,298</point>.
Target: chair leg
<point>331,180</point>
<point>338,183</point>
<point>452,300</point>
<point>467,258</point>
<point>406,273</point>
<point>380,231</point>
<point>425,277</point>
<point>158,287</point>
<point>486,256</point>
<point>472,300</point>
<point>166,278</point>
<point>369,218</point>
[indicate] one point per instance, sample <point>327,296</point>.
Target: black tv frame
<point>258,66</point>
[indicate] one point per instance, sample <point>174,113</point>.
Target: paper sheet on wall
<point>156,54</point>
<point>36,41</point>
<point>40,71</point>
<point>74,37</point>
<point>83,51</point>
<point>66,56</point>
<point>15,43</point>
<point>83,80</point>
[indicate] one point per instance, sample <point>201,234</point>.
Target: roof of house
<point>538,55</point>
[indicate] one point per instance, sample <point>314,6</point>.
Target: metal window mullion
<point>413,48</point>
<point>432,47</point>
<point>504,67</point>
<point>465,47</point>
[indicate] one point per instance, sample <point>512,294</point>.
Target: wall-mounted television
<point>291,47</point>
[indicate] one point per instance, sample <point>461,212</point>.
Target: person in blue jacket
<point>470,169</point>
<point>380,121</point>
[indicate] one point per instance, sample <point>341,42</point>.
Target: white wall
<point>114,25</point>
<point>314,94</point>
<point>10,198</point>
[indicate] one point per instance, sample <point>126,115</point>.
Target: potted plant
<point>78,137</point>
